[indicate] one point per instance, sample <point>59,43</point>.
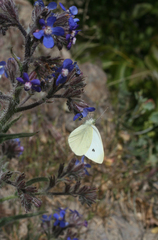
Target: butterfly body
<point>86,140</point>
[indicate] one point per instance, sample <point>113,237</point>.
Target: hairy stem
<point>20,109</point>
<point>24,33</point>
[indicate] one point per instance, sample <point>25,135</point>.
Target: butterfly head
<point>90,121</point>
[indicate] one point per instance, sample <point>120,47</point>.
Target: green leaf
<point>5,137</point>
<point>108,64</point>
<point>35,180</point>
<point>149,105</point>
<point>151,60</point>
<point>141,9</point>
<point>153,160</point>
<point>6,128</point>
<point>4,221</point>
<point>154,117</point>
<point>7,198</point>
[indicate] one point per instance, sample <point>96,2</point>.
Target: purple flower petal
<point>38,34</point>
<point>60,79</point>
<point>2,63</point>
<point>73,10</point>
<point>52,6</point>
<point>39,3</point>
<point>85,112</point>
<point>87,165</point>
<point>20,80</point>
<point>59,69</point>
<point>68,37</point>
<point>48,41</point>
<point>59,31</point>
<point>36,82</point>
<point>62,213</point>
<point>2,70</point>
<point>44,216</point>
<point>70,67</point>
<point>82,159</point>
<point>62,224</point>
<point>67,62</point>
<point>72,23</point>
<point>61,5</point>
<point>69,45</point>
<point>56,216</point>
<point>26,77</point>
<point>51,21</point>
<point>37,89</point>
<point>77,162</point>
<point>42,22</point>
<point>90,109</point>
<point>77,116</point>
<point>76,20</point>
<point>86,172</point>
<point>56,222</point>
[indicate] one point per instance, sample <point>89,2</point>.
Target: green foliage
<point>126,34</point>
<point>4,137</point>
<point>6,220</point>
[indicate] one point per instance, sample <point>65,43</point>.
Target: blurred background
<point>117,49</point>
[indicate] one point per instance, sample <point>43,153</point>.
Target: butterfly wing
<point>96,151</point>
<point>80,139</point>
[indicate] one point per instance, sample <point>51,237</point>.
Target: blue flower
<point>86,165</point>
<point>47,31</point>
<point>78,71</point>
<point>18,149</point>
<point>64,71</point>
<point>2,68</point>
<point>71,37</point>
<point>28,84</point>
<point>46,218</point>
<point>60,218</point>
<point>39,3</point>
<point>72,10</point>
<point>84,113</point>
<point>51,6</point>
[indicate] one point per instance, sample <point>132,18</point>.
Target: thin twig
<point>25,100</point>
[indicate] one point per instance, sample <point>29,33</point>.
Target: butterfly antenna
<point>101,114</point>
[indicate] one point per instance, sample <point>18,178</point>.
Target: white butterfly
<point>86,140</point>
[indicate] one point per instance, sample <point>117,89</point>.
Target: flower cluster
<point>63,221</point>
<point>72,32</point>
<point>25,193</point>
<point>56,29</point>
<point>60,218</point>
<point>55,78</point>
<point>12,148</point>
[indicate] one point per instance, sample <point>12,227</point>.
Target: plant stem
<point>20,109</point>
<point>24,33</point>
